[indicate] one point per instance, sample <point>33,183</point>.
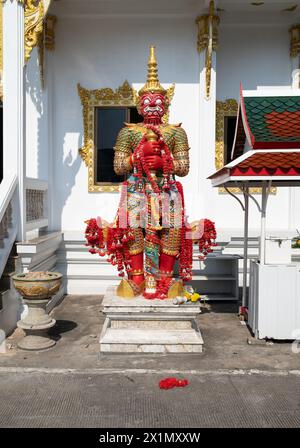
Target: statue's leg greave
<point>170,246</point>
<point>136,251</point>
<point>170,240</point>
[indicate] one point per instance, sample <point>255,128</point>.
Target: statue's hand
<point>151,148</point>
<point>154,162</point>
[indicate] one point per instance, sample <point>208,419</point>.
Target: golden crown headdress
<point>152,84</point>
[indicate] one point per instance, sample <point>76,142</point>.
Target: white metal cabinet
<point>274,300</point>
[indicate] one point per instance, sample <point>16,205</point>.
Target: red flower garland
<point>170,383</point>
<point>208,238</point>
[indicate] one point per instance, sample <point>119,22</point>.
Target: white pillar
<point>262,245</point>
<point>245,254</point>
<point>14,101</point>
<point>207,133</point>
<point>296,72</point>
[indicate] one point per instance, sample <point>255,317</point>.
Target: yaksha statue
<point>150,231</point>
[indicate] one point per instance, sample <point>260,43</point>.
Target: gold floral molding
<point>125,96</point>
<point>225,109</point>
<point>208,41</point>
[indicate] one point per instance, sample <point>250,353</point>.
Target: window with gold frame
<point>224,110</point>
<point>123,97</point>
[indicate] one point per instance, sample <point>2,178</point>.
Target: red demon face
<point>153,105</point>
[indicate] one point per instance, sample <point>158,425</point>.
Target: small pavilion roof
<point>267,121</point>
<point>267,139</point>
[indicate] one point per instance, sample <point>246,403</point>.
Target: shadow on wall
<point>40,130</point>
<point>36,147</point>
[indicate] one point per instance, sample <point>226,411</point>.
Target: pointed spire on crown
<point>152,83</point>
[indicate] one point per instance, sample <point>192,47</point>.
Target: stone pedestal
<point>36,325</point>
<point>37,288</point>
<point>138,325</point>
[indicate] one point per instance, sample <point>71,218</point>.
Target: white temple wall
<point>101,53</point>
<point>256,55</point>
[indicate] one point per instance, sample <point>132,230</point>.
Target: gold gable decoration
<point>33,24</point>
<point>37,27</point>
<point>125,96</point>
<point>225,109</point>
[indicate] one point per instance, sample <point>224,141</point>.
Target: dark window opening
<point>134,116</point>
<point>229,127</point>
<point>109,121</point>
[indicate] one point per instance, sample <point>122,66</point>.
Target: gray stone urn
<point>37,288</point>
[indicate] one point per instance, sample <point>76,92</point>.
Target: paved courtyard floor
<point>232,383</point>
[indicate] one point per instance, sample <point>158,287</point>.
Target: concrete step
<point>151,341</point>
<point>39,254</point>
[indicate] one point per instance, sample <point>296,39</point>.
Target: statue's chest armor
<point>138,131</point>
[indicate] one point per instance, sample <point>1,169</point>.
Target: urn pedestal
<point>37,288</point>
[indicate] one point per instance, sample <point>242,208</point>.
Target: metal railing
<point>36,204</point>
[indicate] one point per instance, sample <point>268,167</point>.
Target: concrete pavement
<point>129,400</point>
<point>232,384</point>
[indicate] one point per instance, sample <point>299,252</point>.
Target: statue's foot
<point>168,288</point>
<point>129,289</point>
<point>175,289</point>
<point>150,295</point>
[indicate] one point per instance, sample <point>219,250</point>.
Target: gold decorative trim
<point>208,36</point>
<point>33,26</point>
<point>225,109</point>
<point>124,96</point>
